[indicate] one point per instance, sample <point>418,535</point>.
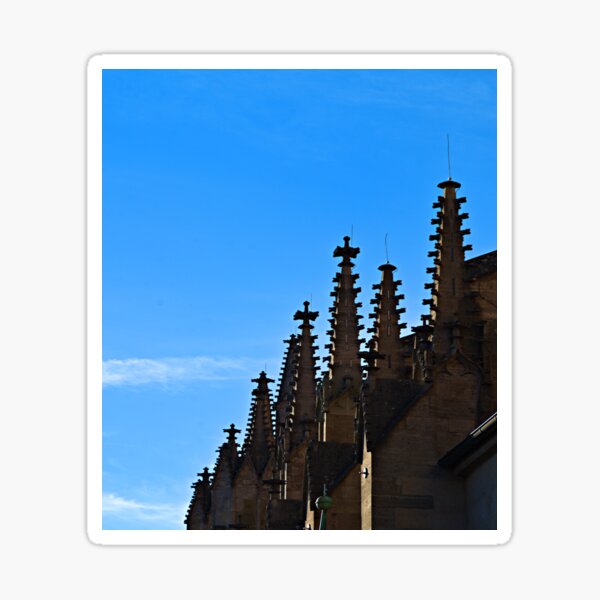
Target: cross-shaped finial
<point>231,433</point>
<point>306,315</point>
<point>346,252</point>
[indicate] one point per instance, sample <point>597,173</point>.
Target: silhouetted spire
<point>228,456</point>
<point>344,364</point>
<point>285,389</point>
<point>442,327</point>
<point>197,514</point>
<point>305,399</point>
<point>339,393</point>
<point>259,439</point>
<point>387,327</point>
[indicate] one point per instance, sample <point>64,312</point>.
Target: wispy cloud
<point>133,511</point>
<point>139,371</point>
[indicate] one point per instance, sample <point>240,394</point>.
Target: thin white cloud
<point>133,511</point>
<point>140,371</point>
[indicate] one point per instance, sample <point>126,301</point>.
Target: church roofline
<point>477,438</point>
<point>481,265</point>
<point>418,394</point>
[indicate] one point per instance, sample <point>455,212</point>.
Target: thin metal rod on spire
<point>449,172</point>
<point>351,232</point>
<point>387,258</point>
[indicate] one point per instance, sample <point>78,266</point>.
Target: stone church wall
<point>408,488</point>
<point>481,492</point>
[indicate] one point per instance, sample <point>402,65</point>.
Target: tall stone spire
<point>305,399</point>
<point>344,364</point>
<point>222,484</point>
<point>341,385</point>
<point>198,511</point>
<point>447,316</point>
<point>259,440</point>
<point>387,326</point>
<point>283,413</point>
<point>285,388</point>
<point>228,455</point>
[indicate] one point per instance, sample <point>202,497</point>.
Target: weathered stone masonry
<point>400,429</point>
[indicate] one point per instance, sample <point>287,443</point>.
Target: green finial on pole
<point>324,503</point>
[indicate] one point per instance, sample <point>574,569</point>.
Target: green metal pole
<point>323,503</point>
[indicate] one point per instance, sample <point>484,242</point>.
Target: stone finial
<point>306,316</point>
<point>262,380</point>
<point>231,433</point>
<point>205,476</point>
<point>346,252</point>
<point>449,183</point>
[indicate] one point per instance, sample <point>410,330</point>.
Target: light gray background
<point>44,49</point>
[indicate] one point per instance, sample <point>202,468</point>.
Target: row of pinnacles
<point>402,433</point>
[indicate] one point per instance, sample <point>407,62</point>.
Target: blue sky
<point>224,195</point>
